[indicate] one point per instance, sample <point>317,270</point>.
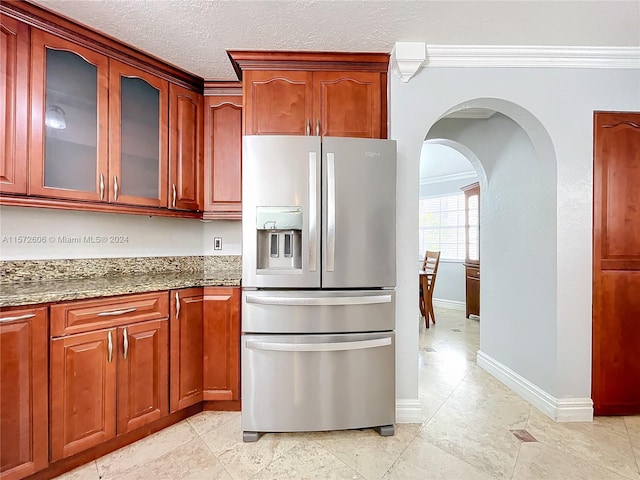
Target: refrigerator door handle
<point>319,347</point>
<point>331,212</point>
<point>313,195</point>
<point>306,301</point>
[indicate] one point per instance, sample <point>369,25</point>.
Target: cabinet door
<point>83,391</point>
<point>221,344</point>
<point>23,392</point>
<point>186,348</point>
<point>223,160</point>
<point>14,106</point>
<point>143,377</point>
<point>348,104</point>
<point>69,117</point>
<point>138,111</point>
<point>277,102</point>
<point>185,147</point>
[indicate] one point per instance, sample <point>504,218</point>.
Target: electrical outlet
<point>217,243</point>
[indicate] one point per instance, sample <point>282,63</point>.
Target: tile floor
<point>473,427</point>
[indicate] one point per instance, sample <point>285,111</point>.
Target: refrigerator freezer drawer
<point>293,383</point>
<point>318,311</point>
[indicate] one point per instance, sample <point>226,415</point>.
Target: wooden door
<point>23,392</point>
<point>143,376</point>
<point>185,149</point>
<point>14,106</point>
<point>186,348</point>
<point>69,120</point>
<point>278,102</point>
<point>616,264</point>
<point>221,340</point>
<point>138,133</point>
<point>83,391</point>
<point>223,157</point>
<point>348,104</point>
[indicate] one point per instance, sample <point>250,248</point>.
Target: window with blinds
<point>441,226</point>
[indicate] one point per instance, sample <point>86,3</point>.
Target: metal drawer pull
<point>318,347</point>
<point>19,317</point>
<point>175,194</point>
<point>115,188</point>
<point>365,300</point>
<point>101,187</point>
<point>116,312</point>
<point>308,127</point>
<point>125,344</point>
<point>109,347</point>
<point>317,127</point>
<point>177,305</point>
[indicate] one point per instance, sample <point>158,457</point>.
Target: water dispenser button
<point>273,245</point>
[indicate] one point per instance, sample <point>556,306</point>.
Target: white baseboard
<point>452,304</point>
<point>558,409</point>
<point>408,410</point>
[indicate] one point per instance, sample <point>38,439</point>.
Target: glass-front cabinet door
<point>69,120</point>
<point>138,106</point>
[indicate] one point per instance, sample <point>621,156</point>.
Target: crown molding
<point>531,56</point>
<point>448,178</point>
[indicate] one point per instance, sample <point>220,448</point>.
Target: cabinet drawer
<point>87,315</point>
<point>473,272</point>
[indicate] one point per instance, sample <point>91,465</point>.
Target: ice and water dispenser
<point>279,231</point>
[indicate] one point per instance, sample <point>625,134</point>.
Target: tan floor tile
<point>308,461</point>
<point>204,421</point>
<point>490,448</point>
<point>191,461</point>
<point>538,461</point>
<point>633,429</point>
<point>366,451</point>
<point>243,460</point>
<point>88,471</point>
<point>424,461</point>
<point>129,458</point>
<point>604,441</point>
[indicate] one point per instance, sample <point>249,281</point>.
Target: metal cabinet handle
<point>313,181</point>
<point>175,194</point>
<point>177,305</point>
<point>19,317</point>
<point>101,187</point>
<point>319,347</point>
<point>109,347</point>
<point>308,127</point>
<point>114,313</point>
<point>125,343</point>
<point>317,127</point>
<point>115,188</point>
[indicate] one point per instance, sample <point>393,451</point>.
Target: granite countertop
<point>47,290</point>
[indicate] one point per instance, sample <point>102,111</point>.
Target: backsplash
<point>12,271</point>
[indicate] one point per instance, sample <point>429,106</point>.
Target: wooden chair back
<point>427,283</point>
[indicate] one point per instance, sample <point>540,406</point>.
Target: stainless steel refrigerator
<point>319,273</point>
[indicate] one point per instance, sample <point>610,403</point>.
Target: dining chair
<point>426,285</point>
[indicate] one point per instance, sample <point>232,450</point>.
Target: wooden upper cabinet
<point>223,156</point>
<point>347,104</point>
<point>69,119</point>
<point>278,103</point>
<point>23,392</point>
<point>14,105</point>
<point>185,148</point>
<point>138,127</point>
<point>314,93</point>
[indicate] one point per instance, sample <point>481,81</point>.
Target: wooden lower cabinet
<point>83,391</point>
<point>107,382</point>
<point>186,348</point>
<point>221,349</point>
<point>472,284</point>
<point>23,392</point>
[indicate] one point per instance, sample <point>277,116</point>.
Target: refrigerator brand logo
<point>372,154</point>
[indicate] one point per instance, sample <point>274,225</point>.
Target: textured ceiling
<point>195,34</point>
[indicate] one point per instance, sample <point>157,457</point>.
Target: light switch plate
<point>217,243</point>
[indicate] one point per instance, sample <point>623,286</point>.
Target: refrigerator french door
<point>318,309</point>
